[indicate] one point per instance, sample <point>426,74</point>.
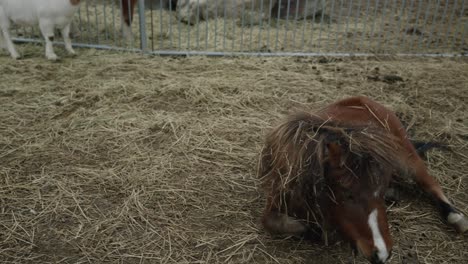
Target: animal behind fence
<point>328,171</point>
<point>47,13</point>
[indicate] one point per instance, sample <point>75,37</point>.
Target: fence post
<point>141,16</point>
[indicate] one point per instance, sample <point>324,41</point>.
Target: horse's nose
<point>378,258</point>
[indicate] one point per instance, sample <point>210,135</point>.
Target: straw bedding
<point>123,158</point>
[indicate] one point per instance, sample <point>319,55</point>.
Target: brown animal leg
<point>278,223</point>
<point>282,224</point>
<point>431,186</point>
<point>128,6</point>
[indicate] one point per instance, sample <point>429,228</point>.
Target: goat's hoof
<point>459,221</point>
<point>15,56</point>
<point>52,57</point>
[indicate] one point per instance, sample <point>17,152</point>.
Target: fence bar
<point>215,25</point>
<point>206,25</point>
<point>349,15</point>
<point>233,27</point>
<point>399,24</point>
<point>160,25</point>
<point>198,25</point>
<point>295,25</point>
<point>365,23</point>
<point>330,20</point>
<point>105,20</point>
<point>382,25</point>
<point>262,13</point>
<point>312,42</point>
<point>304,24</point>
<point>373,25</point>
<point>463,37</point>
<point>152,24</point>
<point>171,8</point>
<point>242,26</point>
<point>434,16</point>
<point>424,25</point>
<point>113,23</point>
<point>444,15</point>
<point>88,20</point>
<point>288,9</point>
<point>249,54</point>
<point>97,22</point>
<point>404,24</point>
<point>405,28</point>
<point>358,12</point>
<point>462,11</point>
<point>338,26</point>
<point>251,24</point>
<point>224,20</point>
<point>277,24</point>
<point>141,19</point>
<point>188,32</point>
<point>269,23</point>
<point>418,12</point>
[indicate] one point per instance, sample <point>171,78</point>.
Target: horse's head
<point>355,200</point>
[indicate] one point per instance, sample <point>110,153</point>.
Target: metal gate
<point>272,27</point>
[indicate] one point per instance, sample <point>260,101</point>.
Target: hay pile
<point>113,157</point>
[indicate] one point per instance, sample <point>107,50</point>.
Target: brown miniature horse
<point>329,171</point>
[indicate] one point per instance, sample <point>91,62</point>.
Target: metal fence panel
<point>272,27</point>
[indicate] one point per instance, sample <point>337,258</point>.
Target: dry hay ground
<point>122,158</point>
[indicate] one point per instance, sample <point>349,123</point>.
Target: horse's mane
<point>295,153</point>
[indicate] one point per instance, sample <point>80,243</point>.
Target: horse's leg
<point>282,224</point>
<point>279,223</point>
<point>128,7</point>
<point>430,185</point>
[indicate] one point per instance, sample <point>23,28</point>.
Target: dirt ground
<point>124,158</point>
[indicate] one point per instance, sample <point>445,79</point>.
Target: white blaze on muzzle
<point>379,242</point>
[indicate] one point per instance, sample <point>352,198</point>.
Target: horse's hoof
<point>459,221</point>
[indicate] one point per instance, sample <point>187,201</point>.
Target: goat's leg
<point>66,39</point>
<point>47,30</point>
<point>9,44</point>
<point>5,25</point>
<point>430,185</point>
<point>2,42</point>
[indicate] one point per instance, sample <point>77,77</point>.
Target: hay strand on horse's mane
<point>297,147</point>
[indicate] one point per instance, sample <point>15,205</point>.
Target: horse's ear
<point>334,153</point>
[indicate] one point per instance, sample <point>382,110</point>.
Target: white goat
<point>47,13</point>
